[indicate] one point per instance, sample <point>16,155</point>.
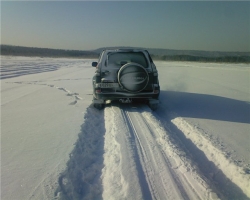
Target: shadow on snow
<point>205,106</point>
<point>217,180</point>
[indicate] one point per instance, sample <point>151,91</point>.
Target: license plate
<point>108,85</point>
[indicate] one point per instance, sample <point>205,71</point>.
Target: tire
<point>133,77</point>
<point>153,106</point>
<point>98,106</point>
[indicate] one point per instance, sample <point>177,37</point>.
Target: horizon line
<point>123,47</point>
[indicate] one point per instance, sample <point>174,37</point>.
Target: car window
<point>119,59</point>
<point>100,57</point>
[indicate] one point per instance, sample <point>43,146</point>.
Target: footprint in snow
<point>72,94</point>
<point>78,98</point>
<point>63,89</point>
<point>73,103</point>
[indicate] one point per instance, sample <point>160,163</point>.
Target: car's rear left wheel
<point>98,106</point>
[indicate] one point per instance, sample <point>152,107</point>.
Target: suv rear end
<point>125,75</point>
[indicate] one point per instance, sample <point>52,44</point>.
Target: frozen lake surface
<point>55,144</point>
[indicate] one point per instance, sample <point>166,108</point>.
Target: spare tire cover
<point>133,77</point>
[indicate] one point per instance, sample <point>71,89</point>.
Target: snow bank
<point>81,179</point>
<point>235,173</point>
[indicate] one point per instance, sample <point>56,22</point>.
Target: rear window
<point>119,59</point>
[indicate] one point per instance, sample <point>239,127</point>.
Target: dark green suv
<point>126,75</point>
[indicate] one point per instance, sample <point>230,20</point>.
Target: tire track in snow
<point>119,175</point>
<point>163,181</point>
<point>141,159</point>
<point>174,176</point>
<point>148,163</point>
<point>228,180</point>
<point>138,151</point>
<point>224,171</point>
<point>159,178</point>
<point>187,177</point>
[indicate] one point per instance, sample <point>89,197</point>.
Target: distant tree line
<point>45,52</point>
<point>227,59</point>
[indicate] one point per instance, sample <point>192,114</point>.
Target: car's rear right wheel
<point>153,104</point>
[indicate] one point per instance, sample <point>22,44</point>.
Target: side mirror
<point>94,64</point>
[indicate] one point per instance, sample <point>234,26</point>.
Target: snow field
<point>55,144</point>
<point>39,124</point>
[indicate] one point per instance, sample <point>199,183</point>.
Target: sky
<point>88,25</point>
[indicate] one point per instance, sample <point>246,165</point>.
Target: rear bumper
<point>150,92</point>
<point>119,95</point>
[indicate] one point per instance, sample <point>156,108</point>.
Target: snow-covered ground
<point>55,145</point>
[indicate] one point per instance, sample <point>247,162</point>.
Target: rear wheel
<point>153,104</point>
<point>98,106</point>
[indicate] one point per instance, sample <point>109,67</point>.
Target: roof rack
<point>135,49</point>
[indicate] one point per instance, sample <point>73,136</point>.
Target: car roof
<point>125,50</point>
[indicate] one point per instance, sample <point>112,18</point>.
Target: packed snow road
<point>147,159</point>
<point>144,155</point>
<point>56,145</point>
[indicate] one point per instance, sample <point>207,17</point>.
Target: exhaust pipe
<point>127,100</point>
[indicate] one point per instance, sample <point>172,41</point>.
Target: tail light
<point>98,90</point>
